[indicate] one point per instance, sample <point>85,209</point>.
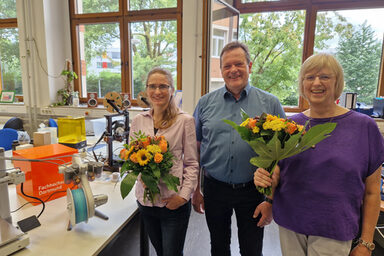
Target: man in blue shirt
<point>224,157</point>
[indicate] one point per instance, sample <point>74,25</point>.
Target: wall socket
<point>46,111</point>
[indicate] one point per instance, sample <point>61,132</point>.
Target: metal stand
<point>112,135</point>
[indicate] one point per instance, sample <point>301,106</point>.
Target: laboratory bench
<point>52,237</point>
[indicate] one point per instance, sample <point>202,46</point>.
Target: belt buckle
<point>240,185</point>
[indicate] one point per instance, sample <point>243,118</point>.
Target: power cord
<point>42,202</point>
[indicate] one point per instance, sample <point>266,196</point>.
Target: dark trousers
<point>220,200</point>
<point>166,228</point>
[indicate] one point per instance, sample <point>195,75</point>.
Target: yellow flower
<point>271,118</point>
<point>245,122</point>
<point>153,149</point>
<point>158,158</point>
<point>256,129</point>
<point>275,125</point>
<point>130,150</point>
<point>143,157</point>
<point>300,127</point>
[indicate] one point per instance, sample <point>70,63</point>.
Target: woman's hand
<point>174,202</point>
<point>261,178</point>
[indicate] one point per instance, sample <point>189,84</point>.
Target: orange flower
<point>158,158</point>
<point>163,146</point>
<point>252,123</point>
<point>123,154</point>
<point>290,128</point>
<point>133,158</point>
<point>146,142</point>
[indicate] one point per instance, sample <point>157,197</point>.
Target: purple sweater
<point>321,190</point>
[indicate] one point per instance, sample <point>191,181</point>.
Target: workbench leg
<point>144,245</point>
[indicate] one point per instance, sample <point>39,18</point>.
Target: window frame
<point>123,17</point>
<point>4,24</point>
<point>312,7</point>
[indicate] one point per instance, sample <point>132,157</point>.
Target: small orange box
<point>42,179</point>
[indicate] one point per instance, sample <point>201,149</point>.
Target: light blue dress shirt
<point>223,154</point>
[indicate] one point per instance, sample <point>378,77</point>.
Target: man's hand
<point>174,202</point>
<point>198,201</point>
<point>265,209</point>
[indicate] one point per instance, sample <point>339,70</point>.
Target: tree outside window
<point>280,40</point>
<point>116,49</point>
<point>10,69</point>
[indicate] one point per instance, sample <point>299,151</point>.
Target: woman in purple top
<point>166,220</point>
<point>324,196</point>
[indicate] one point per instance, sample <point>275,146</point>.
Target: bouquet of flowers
<point>273,139</point>
<point>150,157</point>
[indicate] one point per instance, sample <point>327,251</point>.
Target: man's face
<point>235,69</point>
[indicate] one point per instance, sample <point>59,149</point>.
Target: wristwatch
<point>370,246</point>
<point>268,200</point>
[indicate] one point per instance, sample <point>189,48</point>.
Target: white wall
<point>192,47</point>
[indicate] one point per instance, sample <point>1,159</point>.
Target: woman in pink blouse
<point>166,220</point>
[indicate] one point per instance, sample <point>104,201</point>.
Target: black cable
<point>46,200</point>
<point>93,148</point>
<point>42,202</point>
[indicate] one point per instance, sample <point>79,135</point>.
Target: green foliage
<point>275,42</point>
<point>100,6</point>
<point>359,53</point>
<point>7,9</point>
<point>151,4</point>
<point>10,60</point>
<point>109,81</point>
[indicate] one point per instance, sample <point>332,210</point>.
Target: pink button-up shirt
<point>181,137</point>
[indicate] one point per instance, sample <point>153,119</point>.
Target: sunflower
<point>143,157</point>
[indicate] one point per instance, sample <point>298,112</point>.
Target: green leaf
<point>244,115</point>
<point>156,172</point>
<point>243,131</point>
<point>124,168</point>
<point>274,146</point>
<point>261,161</point>
<point>150,183</point>
<point>260,148</point>
<point>127,184</point>
<point>312,137</point>
<point>171,181</point>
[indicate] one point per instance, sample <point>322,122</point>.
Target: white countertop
<point>52,237</point>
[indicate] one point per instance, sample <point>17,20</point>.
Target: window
<point>116,43</point>
<point>218,41</point>
<point>355,37</point>
<point>10,69</point>
<point>282,34</point>
<point>275,41</point>
<point>222,27</point>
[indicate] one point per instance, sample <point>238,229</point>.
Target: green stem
<point>268,190</point>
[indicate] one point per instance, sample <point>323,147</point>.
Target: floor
<point>197,239</point>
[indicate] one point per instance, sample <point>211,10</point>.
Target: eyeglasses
<point>322,78</point>
<point>161,87</point>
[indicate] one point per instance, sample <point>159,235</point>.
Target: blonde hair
<point>170,113</point>
<point>317,62</point>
